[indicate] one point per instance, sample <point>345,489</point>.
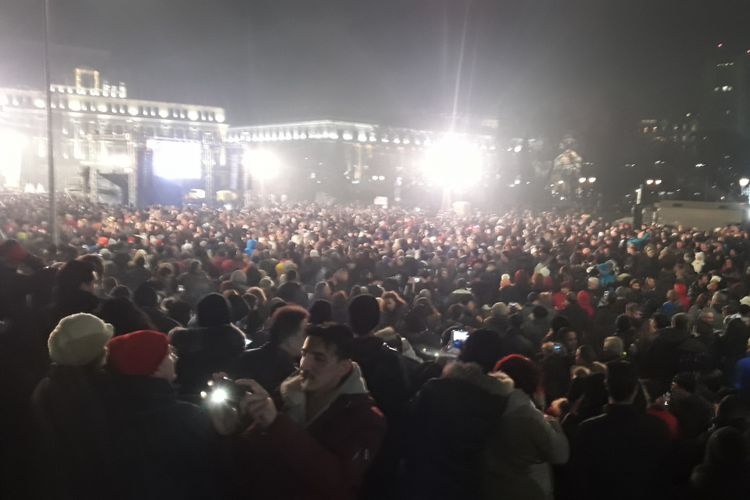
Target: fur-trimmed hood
<point>496,383</point>
<point>295,399</point>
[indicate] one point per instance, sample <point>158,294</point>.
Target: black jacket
<point>621,455</point>
<point>451,422</point>
<point>71,434</point>
<point>203,352</point>
<point>269,365</point>
<point>671,352</point>
<point>162,448</point>
<point>386,374</point>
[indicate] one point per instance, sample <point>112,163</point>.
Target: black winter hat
<point>213,310</point>
<point>364,314</point>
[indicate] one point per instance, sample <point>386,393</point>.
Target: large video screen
<point>176,160</point>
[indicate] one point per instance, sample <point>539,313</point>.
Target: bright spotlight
<point>262,163</point>
<point>518,149</point>
<point>12,144</point>
<point>744,182</point>
<point>592,180</point>
<point>453,163</point>
<point>581,180</point>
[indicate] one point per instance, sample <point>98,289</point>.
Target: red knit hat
<point>137,353</point>
<point>522,370</point>
<point>13,253</point>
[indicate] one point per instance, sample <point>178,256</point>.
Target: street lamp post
<point>50,148</point>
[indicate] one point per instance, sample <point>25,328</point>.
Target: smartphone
<point>459,335</point>
<point>224,390</point>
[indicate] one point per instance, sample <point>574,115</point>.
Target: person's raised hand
<point>257,403</point>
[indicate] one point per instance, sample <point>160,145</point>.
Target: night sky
<point>558,64</point>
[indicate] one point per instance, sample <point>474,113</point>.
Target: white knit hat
<point>78,339</point>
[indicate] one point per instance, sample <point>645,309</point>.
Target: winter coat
<point>71,433</point>
<point>162,448</point>
<point>622,443</point>
<point>451,420</point>
<point>204,351</point>
<point>269,365</point>
<point>518,457</point>
<point>386,373</point>
<point>322,457</point>
<point>670,352</point>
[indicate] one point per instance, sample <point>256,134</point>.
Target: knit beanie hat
<point>137,353</point>
<point>78,339</point>
<point>364,314</point>
<point>213,310</point>
<point>483,347</point>
<point>522,370</point>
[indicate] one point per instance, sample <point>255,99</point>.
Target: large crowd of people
<point>331,352</point>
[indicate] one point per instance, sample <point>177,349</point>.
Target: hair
<point>623,323</point>
<point>121,313</point>
<point>120,291</point>
<point>680,321</point>
<point>145,296</point>
<point>483,347</point>
<point>393,296</point>
<point>524,372</point>
<point>178,310</point>
<point>285,322</point>
<point>213,310</point>
<point>661,320</point>
<point>587,353</point>
<point>614,345</point>
<point>259,293</point>
<point>540,312</point>
<point>321,311</point>
<point>364,314</point>
<point>455,311</point>
<point>74,274</point>
<point>622,380</point>
<point>336,336</point>
<point>559,322</point>
<point>96,262</point>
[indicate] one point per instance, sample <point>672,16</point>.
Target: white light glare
<point>219,395</point>
<point>262,163</point>
<point>744,182</point>
<point>453,163</point>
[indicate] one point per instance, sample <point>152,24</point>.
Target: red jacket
<point>325,458</point>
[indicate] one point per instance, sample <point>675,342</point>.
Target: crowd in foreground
<point>314,352</point>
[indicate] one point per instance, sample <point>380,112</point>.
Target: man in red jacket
<point>321,443</point>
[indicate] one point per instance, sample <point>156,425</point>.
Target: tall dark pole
<point>50,149</point>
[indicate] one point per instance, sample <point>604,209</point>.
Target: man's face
<point>320,366</point>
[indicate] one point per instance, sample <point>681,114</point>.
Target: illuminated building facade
<point>345,160</point>
<point>104,139</point>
